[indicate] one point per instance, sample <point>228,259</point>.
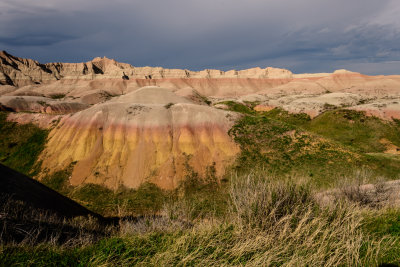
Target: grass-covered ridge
<point>354,129</point>
<point>326,147</point>
<point>21,145</point>
<point>281,147</point>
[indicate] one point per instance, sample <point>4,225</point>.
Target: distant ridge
<point>18,72</point>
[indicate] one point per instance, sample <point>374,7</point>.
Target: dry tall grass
<point>271,222</point>
<point>280,220</point>
<point>22,225</point>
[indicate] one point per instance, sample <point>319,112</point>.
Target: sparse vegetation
<point>328,106</point>
<point>238,107</point>
<point>167,106</point>
<point>146,200</point>
<point>42,103</point>
<point>204,99</point>
<point>296,119</point>
<point>57,96</point>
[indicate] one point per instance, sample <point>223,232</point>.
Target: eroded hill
<point>148,135</point>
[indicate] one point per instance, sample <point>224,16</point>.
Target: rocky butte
<point>125,125</point>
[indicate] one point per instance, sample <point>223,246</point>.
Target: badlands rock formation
<point>18,71</point>
<point>39,104</point>
<point>98,80</point>
<point>124,125</point>
<point>147,135</point>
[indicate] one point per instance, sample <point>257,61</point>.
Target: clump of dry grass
<point>151,224</point>
<point>260,202</point>
<point>280,223</point>
<point>363,189</point>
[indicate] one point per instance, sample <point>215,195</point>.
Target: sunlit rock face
<point>147,135</point>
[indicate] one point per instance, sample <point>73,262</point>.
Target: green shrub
<point>296,119</point>
<point>167,106</point>
<point>58,181</point>
<point>238,107</point>
<point>57,96</point>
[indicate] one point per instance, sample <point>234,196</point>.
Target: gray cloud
<point>304,36</point>
<point>35,39</point>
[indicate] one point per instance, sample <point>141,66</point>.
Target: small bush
<point>328,106</point>
<point>167,106</point>
<point>57,96</point>
<point>238,107</point>
<point>260,202</point>
<point>58,181</point>
<point>280,114</point>
<point>42,103</point>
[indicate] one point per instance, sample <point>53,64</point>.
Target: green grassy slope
<point>20,145</point>
<point>354,129</point>
<point>325,148</point>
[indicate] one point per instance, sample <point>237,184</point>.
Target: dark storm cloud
<point>35,39</point>
<point>304,36</point>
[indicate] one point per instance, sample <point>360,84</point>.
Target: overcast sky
<point>300,35</point>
